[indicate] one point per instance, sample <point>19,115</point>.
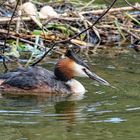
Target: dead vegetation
<point>32,30</point>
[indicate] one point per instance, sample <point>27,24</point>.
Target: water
<point>104,113</point>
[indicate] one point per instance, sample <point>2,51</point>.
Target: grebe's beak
<point>95,77</point>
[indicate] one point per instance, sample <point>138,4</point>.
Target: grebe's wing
<point>26,77</point>
<point>34,77</point>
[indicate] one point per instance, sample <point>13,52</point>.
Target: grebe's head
<point>72,66</point>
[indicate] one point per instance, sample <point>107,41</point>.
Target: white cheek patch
<point>78,70</point>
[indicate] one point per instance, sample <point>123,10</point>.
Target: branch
<point>4,63</point>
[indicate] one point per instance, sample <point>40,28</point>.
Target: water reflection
<point>67,108</point>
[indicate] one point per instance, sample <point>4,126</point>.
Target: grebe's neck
<point>76,86</point>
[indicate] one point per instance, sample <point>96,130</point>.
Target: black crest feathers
<point>70,54</point>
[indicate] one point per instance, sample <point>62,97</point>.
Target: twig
<point>113,27</point>
<point>4,63</point>
<point>39,60</point>
<point>35,47</point>
<point>131,33</point>
<point>132,18</point>
<point>119,29</point>
<point>89,3</point>
<point>96,12</point>
<point>137,8</point>
<point>6,19</point>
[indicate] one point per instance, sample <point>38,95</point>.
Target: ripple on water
<point>133,109</point>
<point>110,120</point>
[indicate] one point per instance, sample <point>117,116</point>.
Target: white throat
<point>76,86</point>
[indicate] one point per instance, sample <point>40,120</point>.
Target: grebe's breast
<point>36,79</point>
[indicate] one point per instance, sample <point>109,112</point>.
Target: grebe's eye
<point>84,69</point>
<point>87,71</point>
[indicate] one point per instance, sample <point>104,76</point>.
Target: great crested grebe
<point>37,79</point>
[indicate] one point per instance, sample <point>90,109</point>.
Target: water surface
<point>104,113</point>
